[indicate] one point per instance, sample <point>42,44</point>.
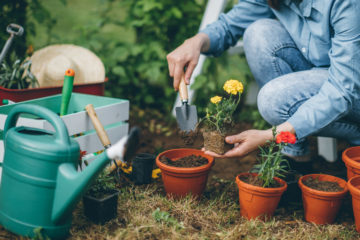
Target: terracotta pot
<point>322,207</point>
<point>258,201</point>
<point>179,182</point>
<point>354,188</point>
<point>351,158</point>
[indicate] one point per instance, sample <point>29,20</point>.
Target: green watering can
<point>40,184</point>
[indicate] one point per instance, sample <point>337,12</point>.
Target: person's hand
<point>186,55</point>
<point>245,142</point>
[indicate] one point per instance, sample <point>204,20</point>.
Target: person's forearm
<point>204,42</point>
<point>284,127</point>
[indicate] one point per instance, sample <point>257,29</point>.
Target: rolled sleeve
<point>341,91</point>
<point>227,30</point>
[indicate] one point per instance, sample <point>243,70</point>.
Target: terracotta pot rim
<point>190,170</point>
<point>250,187</point>
<point>353,190</point>
<point>319,193</point>
<point>347,160</point>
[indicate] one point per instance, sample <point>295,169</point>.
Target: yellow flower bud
<point>215,99</point>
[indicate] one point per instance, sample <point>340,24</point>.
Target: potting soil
<point>189,137</point>
<point>256,181</point>
<point>325,186</point>
<point>185,162</point>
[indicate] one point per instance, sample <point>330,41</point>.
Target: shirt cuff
<point>214,42</point>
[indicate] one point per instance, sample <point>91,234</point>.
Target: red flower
<point>285,137</point>
<point>82,153</point>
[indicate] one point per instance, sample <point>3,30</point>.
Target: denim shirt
<point>327,32</point>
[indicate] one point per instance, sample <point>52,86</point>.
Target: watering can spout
<point>72,184</point>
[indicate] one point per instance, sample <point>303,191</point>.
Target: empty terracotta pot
<point>179,182</point>
<point>351,158</point>
<point>354,188</point>
<point>258,202</point>
<point>321,207</point>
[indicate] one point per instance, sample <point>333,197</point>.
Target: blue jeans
<point>287,80</point>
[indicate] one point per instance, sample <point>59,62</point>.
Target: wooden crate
<point>112,112</point>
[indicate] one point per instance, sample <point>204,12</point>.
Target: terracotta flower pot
<point>179,182</point>
<point>351,158</point>
<point>321,207</point>
<point>258,201</point>
<point>354,188</point>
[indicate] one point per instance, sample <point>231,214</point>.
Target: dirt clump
<point>256,181</point>
<point>185,162</point>
<point>189,137</point>
<point>215,142</point>
<point>325,186</point>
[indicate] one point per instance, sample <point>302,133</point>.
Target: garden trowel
<point>131,141</point>
<point>186,115</point>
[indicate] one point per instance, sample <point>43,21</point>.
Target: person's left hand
<point>245,142</point>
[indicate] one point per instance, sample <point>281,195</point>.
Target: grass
<point>145,213</point>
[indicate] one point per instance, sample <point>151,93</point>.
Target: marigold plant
<point>219,115</point>
<point>272,164</point>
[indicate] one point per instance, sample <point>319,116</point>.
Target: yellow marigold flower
<point>215,99</point>
<point>156,173</point>
<point>233,87</point>
<point>126,170</point>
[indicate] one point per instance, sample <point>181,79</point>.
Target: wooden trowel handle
<point>183,91</point>
<point>104,138</point>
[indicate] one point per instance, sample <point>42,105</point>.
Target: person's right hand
<point>186,55</point>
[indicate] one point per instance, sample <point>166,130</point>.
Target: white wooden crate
<point>113,114</point>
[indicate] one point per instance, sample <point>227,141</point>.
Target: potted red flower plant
<point>219,117</point>
<point>260,193</point>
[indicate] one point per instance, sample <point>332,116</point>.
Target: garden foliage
<point>132,38</point>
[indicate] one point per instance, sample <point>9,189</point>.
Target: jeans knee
<point>258,34</point>
<point>269,106</point>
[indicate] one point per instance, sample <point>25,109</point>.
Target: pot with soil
<point>219,118</point>
<point>255,200</point>
<point>354,188</point>
<point>101,200</point>
<point>351,158</point>
<point>184,171</point>
<point>322,197</point>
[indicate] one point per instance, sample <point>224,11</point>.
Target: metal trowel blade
<point>187,118</point>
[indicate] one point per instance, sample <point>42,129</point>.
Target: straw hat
<point>50,63</point>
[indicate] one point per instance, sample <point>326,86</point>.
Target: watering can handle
<point>61,132</point>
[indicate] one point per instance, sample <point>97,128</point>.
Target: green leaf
<point>119,70</point>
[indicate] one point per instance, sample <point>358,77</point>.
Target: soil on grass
<point>185,162</point>
<point>325,186</point>
<point>256,181</point>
